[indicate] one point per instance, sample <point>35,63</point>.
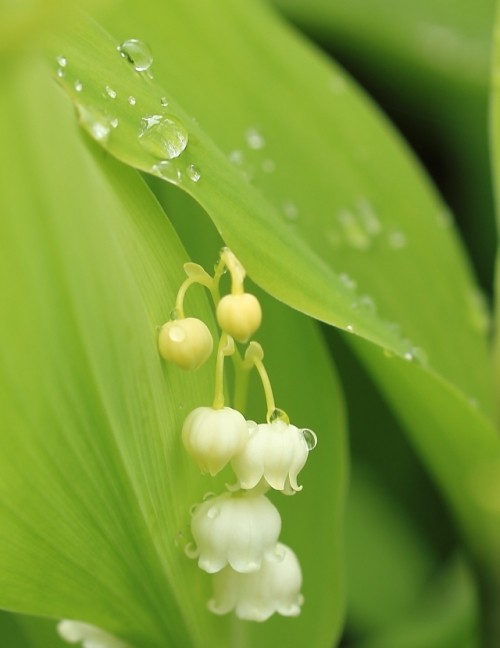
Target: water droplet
<point>137,53</point>
<point>310,438</point>
<point>290,210</point>
<point>349,328</point>
<point>278,415</point>
<point>397,240</point>
<point>96,124</point>
<point>408,356</point>
<point>110,92</point>
<point>60,72</point>
<point>167,170</point>
<point>62,61</point>
<point>338,84</point>
<point>191,551</point>
<point>367,304</point>
<point>78,86</point>
<point>213,512</point>
<point>193,173</point>
<point>177,333</point>
<point>254,139</point>
<point>174,314</point>
<point>368,217</point>
<point>268,166</point>
<point>164,102</point>
<point>420,356</point>
<point>236,157</point>
<point>114,122</point>
<point>355,235</point>
<point>479,315</point>
<point>131,100</point>
<point>164,137</point>
<point>208,496</point>
<point>347,281</point>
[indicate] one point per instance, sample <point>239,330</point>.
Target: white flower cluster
<point>236,534</point>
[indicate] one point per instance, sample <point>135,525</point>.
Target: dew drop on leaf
<point>193,173</point>
<point>137,53</point>
<point>164,137</point>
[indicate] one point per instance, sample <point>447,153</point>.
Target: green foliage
<point>261,142</point>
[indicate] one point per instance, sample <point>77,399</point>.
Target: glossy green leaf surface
<point>324,204</point>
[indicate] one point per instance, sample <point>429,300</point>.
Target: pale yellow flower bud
<point>213,436</point>
<point>186,342</point>
<point>258,595</point>
<point>239,315</point>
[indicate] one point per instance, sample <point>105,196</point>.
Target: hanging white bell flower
<point>213,436</point>
<point>257,596</point>
<point>237,530</point>
<point>276,452</point>
<point>90,636</point>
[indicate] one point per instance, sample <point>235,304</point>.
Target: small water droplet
<point>236,157</point>
<point>174,314</point>
<point>290,210</point>
<point>278,415</point>
<point>310,438</point>
<point>355,235</point>
<point>193,173</point>
<point>479,315</point>
<point>254,139</point>
<point>78,86</point>
<point>164,137</point>
<point>397,240</point>
<point>60,72</point>
<point>131,100</point>
<point>114,122</point>
<point>268,166</point>
<point>167,170</point>
<point>110,92</point>
<point>62,61</point>
<point>408,356</point>
<point>367,304</point>
<point>164,102</point>
<point>368,217</point>
<point>347,281</point>
<point>338,84</point>
<point>96,124</point>
<point>213,512</point>
<point>349,328</point>
<point>137,53</point>
<point>191,551</point>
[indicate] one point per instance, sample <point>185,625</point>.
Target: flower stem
<point>225,348</point>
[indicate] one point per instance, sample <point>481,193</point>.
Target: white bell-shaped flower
<point>276,452</point>
<point>237,530</point>
<point>257,596</point>
<point>90,636</point>
<point>213,436</point>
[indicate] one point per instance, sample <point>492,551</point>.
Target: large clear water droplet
<point>213,512</point>
<point>137,53</point>
<point>310,438</point>
<point>164,137</point>
<point>110,92</point>
<point>62,61</point>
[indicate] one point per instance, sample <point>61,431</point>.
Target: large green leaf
<point>353,203</point>
<point>94,484</point>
